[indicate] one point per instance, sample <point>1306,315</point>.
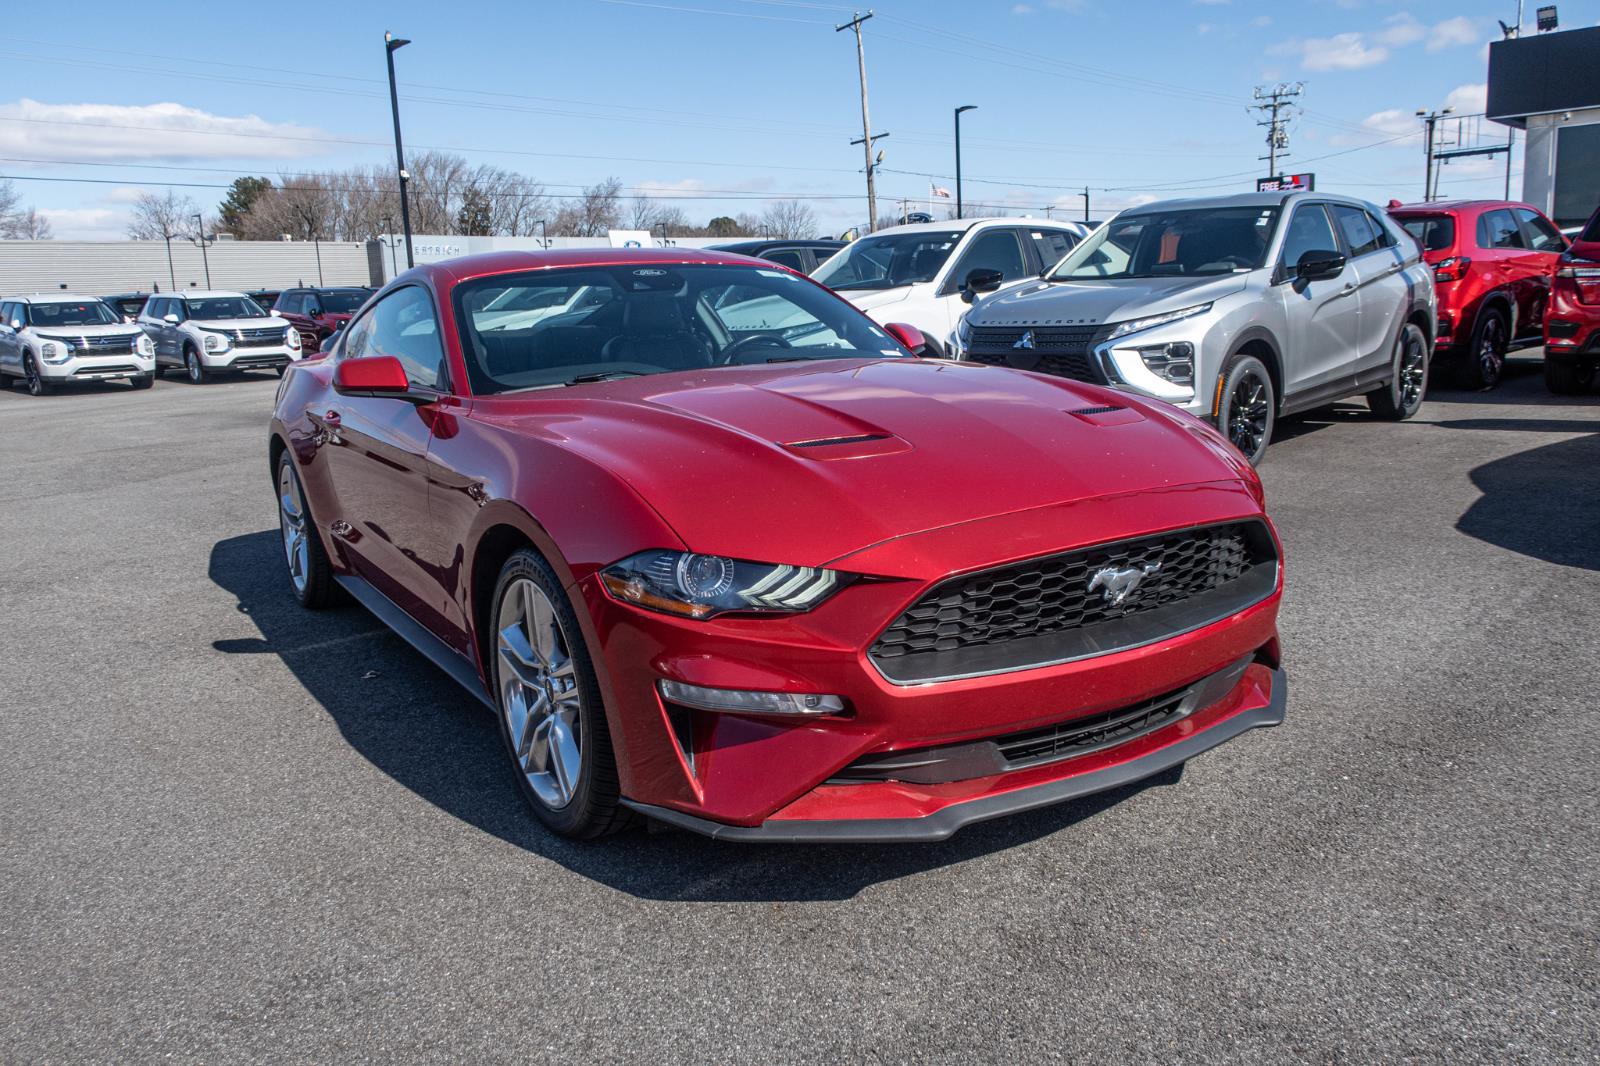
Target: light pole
<point>390,44</point>
<point>963,107</point>
<point>388,238</point>
<point>1429,120</point>
<point>544,236</point>
<point>200,239</point>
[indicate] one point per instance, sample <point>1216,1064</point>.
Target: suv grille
<point>1066,606</point>
<point>270,337</point>
<point>96,345</point>
<point>1060,350</point>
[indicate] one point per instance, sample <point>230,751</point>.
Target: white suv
<point>208,333</point>
<point>916,274</point>
<point>55,338</point>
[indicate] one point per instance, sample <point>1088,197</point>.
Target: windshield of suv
<point>567,327</point>
<point>342,301</point>
<point>225,307</point>
<point>1161,244</point>
<point>887,261</point>
<point>1436,233</point>
<point>58,315</point>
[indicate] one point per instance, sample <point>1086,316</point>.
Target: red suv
<point>1493,260</point>
<point>1572,328</point>
<point>318,313</point>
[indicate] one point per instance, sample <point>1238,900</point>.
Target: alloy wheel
<point>1491,352</point>
<point>1248,413</point>
<point>192,361</point>
<point>539,694</point>
<point>292,519</point>
<point>1413,369</point>
<point>30,371</point>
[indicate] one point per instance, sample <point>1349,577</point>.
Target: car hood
<point>109,329</point>
<point>1037,303</point>
<point>805,463</point>
<point>872,299</point>
<point>238,323</point>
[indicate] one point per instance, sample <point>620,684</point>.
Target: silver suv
<point>1238,309</point>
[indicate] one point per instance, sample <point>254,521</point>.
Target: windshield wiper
<point>602,375</point>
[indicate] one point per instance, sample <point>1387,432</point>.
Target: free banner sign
<point>1287,183</point>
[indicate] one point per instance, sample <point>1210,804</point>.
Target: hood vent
<point>829,442</point>
<point>1095,410</point>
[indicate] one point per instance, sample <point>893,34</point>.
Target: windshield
<point>563,327</point>
<point>342,301</point>
<point>58,315</point>
<point>1162,244</point>
<point>1436,233</point>
<point>225,307</point>
<point>887,261</point>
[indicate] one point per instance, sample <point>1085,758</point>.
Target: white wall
<point>106,267</point>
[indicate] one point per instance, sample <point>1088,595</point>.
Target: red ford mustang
<point>721,551</point>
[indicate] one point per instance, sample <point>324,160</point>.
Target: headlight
<point>1174,362</point>
<point>143,345</point>
<point>55,352</point>
<point>216,342</point>
<point>1134,325</point>
<point>960,338</point>
<point>700,586</point>
<point>291,339</point>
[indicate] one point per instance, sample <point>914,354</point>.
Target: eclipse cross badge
<point>1120,585</point>
<point>1026,340</point>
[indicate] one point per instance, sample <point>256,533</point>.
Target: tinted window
<point>1309,231</point>
<point>547,328</point>
<point>8,313</point>
<point>995,249</point>
<point>1498,229</point>
<point>1541,234</point>
<point>792,258</point>
<point>1361,232</point>
<point>340,301</point>
<point>1436,233</point>
<point>76,313</point>
<point>403,325</point>
<point>215,307</point>
<point>1198,241</point>
<point>884,262</point>
<point>1052,245</point>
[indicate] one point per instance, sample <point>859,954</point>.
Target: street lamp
<point>964,107</point>
<point>390,44</point>
<point>544,237</point>
<point>389,239</point>
<point>199,238</point>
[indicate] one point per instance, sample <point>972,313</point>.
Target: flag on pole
<point>940,190</point>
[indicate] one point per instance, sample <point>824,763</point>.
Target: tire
<point>310,575</point>
<point>1247,409</point>
<point>1567,378</point>
<point>37,385</point>
<point>539,660</point>
<point>155,375</point>
<point>1484,361</point>
<point>281,370</point>
<point>198,374</point>
<point>1402,396</point>
<point>5,381</point>
<point>143,381</point>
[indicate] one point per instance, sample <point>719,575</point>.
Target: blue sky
<point>728,103</point>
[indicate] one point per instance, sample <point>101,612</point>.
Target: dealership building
<point>1548,84</point>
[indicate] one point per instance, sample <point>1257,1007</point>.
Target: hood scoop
<point>851,447</point>
<point>1107,415</point>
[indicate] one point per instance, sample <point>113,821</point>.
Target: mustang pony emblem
<point>1026,341</point>
<point>1120,585</point>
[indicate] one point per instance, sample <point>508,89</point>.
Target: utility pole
<point>872,165</point>
<point>963,107</point>
<point>1085,195</point>
<point>390,44</point>
<point>1430,119</point>
<point>200,239</point>
<point>866,118</point>
<point>1276,124</point>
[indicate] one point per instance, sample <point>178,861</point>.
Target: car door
<point>1382,293</point>
<point>1050,246</point>
<point>1545,245</point>
<point>992,248</point>
<point>376,452</point>
<point>154,328</point>
<point>793,258</point>
<point>10,343</point>
<point>1321,318</point>
<point>1501,260</point>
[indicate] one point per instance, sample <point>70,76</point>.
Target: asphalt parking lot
<point>235,831</point>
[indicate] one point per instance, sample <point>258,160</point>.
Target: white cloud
<point>86,223</point>
<point>1022,9</point>
<point>145,131</point>
<point>1261,20</point>
<point>1469,99</point>
<point>1392,123</point>
<point>1400,30</point>
<point>1451,32</point>
<point>1342,51</point>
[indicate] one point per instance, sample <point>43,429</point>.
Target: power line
<point>1277,103</point>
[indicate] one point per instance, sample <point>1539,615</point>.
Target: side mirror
<point>376,375</point>
<point>1318,265</point>
<point>170,319</point>
<point>980,279</point>
<point>910,336</point>
<point>275,313</point>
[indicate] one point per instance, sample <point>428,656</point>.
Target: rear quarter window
<point>1436,233</point>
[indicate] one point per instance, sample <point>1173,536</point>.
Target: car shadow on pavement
<point>412,722</point>
<point>1540,502</point>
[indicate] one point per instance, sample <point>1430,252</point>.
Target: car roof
<point>1445,207</point>
<point>748,247</point>
<point>487,264</point>
<point>201,294</point>
<point>969,223</point>
<point>49,298</point>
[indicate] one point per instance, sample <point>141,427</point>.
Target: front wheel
<point>1485,361</point>
<point>1402,397</point>
<point>143,381</point>
<point>1247,410</point>
<point>198,374</point>
<point>37,385</point>
<point>1567,378</point>
<point>551,715</point>
<point>310,576</point>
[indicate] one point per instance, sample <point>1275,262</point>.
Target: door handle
<point>1349,287</point>
<point>331,418</point>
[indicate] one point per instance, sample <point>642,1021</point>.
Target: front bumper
<point>250,358</point>
<point>1571,328</point>
<point>1258,699</point>
<point>98,368</point>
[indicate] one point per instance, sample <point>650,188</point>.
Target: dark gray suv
<point>1238,309</point>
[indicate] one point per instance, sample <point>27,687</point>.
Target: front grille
<point>258,338</point>
<point>256,362</point>
<point>91,371</point>
<point>1064,351</point>
<point>1091,601</point>
<point>1088,734</point>
<point>94,346</point>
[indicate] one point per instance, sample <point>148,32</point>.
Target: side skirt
<point>412,632</point>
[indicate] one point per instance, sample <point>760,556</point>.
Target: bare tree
<point>598,210</point>
<point>789,220</point>
<point>17,223</point>
<point>672,222</point>
<point>642,213</point>
<point>161,218</point>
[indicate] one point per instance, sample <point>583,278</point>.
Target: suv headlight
<point>143,345</point>
<point>291,339</point>
<point>701,586</point>
<point>960,338</point>
<point>1135,325</point>
<point>55,351</point>
<point>1174,362</point>
<point>215,342</point>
